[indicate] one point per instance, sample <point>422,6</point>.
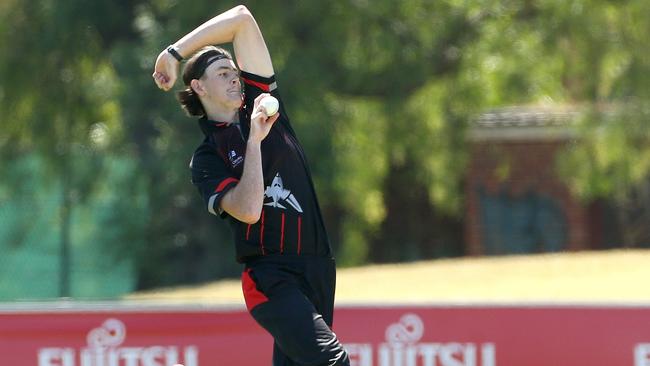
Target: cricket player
<point>251,170</point>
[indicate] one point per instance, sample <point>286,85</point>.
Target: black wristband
<point>172,51</point>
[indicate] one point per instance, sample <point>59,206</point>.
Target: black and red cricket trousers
<point>292,297</point>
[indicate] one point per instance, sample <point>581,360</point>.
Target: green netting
<point>30,238</point>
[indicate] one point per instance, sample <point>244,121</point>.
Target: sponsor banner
<point>127,338</point>
<point>496,336</point>
<point>374,336</point>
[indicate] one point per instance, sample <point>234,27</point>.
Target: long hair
<point>194,69</point>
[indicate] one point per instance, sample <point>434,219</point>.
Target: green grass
<point>604,276</point>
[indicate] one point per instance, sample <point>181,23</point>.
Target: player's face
<point>222,84</point>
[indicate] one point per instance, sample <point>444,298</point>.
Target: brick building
<point>515,201</point>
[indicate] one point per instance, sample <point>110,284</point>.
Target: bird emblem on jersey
<point>277,193</point>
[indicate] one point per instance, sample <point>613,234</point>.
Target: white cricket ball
<point>270,104</point>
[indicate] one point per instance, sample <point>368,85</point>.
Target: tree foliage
<point>380,92</point>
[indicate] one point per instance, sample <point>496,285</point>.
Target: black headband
<point>210,57</point>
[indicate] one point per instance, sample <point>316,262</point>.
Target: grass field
<point>604,276</point>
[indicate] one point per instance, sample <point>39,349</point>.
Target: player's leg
<point>320,277</point>
<point>275,296</point>
<point>279,358</point>
<point>299,331</point>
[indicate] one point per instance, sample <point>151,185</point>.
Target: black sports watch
<point>172,51</point>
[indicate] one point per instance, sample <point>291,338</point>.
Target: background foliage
<point>380,92</point>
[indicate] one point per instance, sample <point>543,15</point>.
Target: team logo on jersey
<point>234,159</point>
<point>277,193</point>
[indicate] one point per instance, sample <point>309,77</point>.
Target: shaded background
<point>433,128</point>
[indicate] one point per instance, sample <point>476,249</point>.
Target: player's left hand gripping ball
<point>270,104</point>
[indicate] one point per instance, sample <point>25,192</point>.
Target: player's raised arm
<point>236,25</point>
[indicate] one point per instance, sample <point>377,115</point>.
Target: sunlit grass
<point>606,276</point>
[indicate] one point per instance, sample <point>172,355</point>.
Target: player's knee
<point>332,357</point>
<point>341,359</point>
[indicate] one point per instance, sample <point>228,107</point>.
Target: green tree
<point>58,104</point>
<point>381,94</point>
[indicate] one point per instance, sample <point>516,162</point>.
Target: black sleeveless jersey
<point>291,222</point>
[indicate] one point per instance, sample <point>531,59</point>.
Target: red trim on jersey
<point>248,231</point>
<point>299,224</point>
<point>262,234</point>
<point>252,296</point>
<point>225,183</point>
<point>262,86</point>
<point>282,235</point>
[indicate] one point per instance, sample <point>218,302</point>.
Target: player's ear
<point>197,87</point>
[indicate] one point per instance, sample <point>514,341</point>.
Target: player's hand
<point>261,123</point>
<point>166,70</point>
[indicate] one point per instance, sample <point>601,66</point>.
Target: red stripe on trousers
<point>252,296</point>
<point>299,223</point>
<point>282,235</point>
<point>248,231</point>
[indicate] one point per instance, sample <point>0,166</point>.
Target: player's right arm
<point>236,26</point>
<point>244,201</point>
